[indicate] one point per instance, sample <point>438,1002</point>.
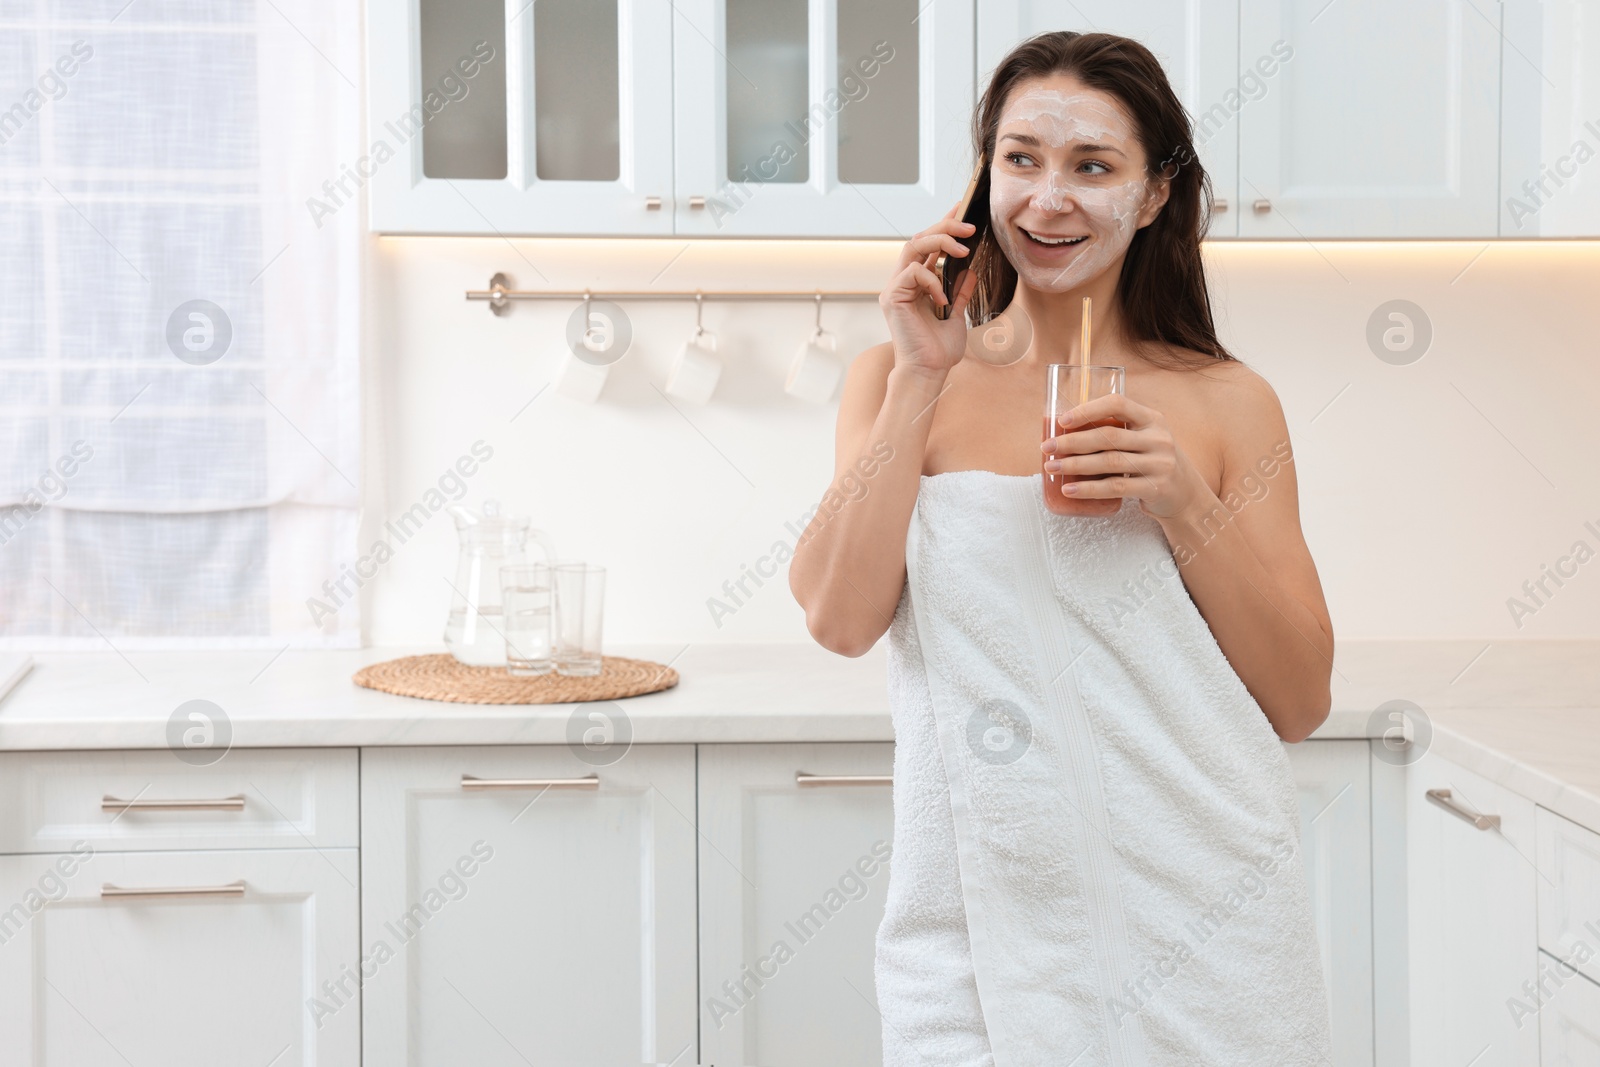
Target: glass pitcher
<point>474,633</point>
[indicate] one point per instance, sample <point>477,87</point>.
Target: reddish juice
<point>1059,503</point>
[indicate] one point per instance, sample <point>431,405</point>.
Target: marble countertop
<point>1522,713</point>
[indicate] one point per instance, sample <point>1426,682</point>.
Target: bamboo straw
<point>1083,351</point>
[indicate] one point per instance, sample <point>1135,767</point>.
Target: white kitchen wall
<point>1430,492</point>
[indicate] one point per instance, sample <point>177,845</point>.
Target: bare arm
<point>849,568</point>
<point>1246,565</point>
<point>850,565</point>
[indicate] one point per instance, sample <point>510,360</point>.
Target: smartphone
<point>974,208</point>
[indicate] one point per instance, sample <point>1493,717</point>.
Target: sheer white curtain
<point>179,402</point>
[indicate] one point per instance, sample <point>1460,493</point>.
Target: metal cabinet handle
<point>590,782</point>
<point>233,803</point>
<point>1219,205</point>
<point>802,778</point>
<point>1262,205</point>
<point>696,203</point>
<point>652,203</point>
<point>232,889</point>
<point>1441,797</point>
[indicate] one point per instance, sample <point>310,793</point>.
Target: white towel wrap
<point>1096,842</point>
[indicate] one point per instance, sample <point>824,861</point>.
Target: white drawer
<point>1569,1017</point>
<point>1569,891</point>
<point>251,798</point>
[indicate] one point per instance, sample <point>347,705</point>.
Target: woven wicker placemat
<point>443,677</point>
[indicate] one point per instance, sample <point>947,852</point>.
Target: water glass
<point>580,590</point>
<point>526,595</point>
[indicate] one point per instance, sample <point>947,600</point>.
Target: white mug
<point>695,369</point>
<point>580,380</point>
<point>815,372</point>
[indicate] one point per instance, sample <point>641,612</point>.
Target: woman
<point>1096,829</point>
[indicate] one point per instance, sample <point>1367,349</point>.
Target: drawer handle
<point>232,889</point>
<point>233,803</point>
<point>1441,797</point>
<point>590,782</point>
<point>802,778</point>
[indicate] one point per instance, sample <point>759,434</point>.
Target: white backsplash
<point>1429,493</point>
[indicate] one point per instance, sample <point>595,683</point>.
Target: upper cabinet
<point>1550,128</point>
<point>820,118</point>
<point>802,118</point>
<point>504,117</point>
<point>1197,42</point>
<point>852,118</point>
<point>1383,123</point>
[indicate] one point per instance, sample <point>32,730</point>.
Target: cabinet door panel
<point>1549,136</point>
<point>90,980</point>
<point>429,130</point>
<point>799,866</point>
<point>1569,1021</point>
<point>879,145</point>
<point>1472,916</point>
<point>529,925</point>
<point>1332,778</point>
<point>1197,42</point>
<point>1569,891</point>
<point>1384,123</point>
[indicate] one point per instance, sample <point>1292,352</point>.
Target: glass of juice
<point>1065,390</point>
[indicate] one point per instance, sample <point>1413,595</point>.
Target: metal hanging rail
<point>499,295</point>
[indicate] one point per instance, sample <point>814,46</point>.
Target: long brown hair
<point>1166,309</point>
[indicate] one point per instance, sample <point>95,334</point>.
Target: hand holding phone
<point>974,208</point>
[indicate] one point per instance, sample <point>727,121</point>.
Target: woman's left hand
<point>1157,470</point>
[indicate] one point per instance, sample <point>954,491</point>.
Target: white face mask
<point>1042,200</point>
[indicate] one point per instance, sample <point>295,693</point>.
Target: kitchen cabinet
<point>1569,892</point>
<point>800,118</point>
<point>792,881</point>
<point>1569,1022</point>
<point>489,118</point>
<point>820,118</point>
<point>139,801</point>
<point>532,907</point>
<point>793,830</point>
<point>1197,42</point>
<point>224,961</point>
<point>1472,915</point>
<point>1385,123</point>
<point>1550,120</point>
<point>1332,779</point>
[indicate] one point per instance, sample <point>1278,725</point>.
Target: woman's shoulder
<point>1229,386</point>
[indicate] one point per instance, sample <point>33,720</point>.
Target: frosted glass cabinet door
<point>215,974</point>
<point>509,117</point>
<point>792,882</point>
<point>1197,42</point>
<point>820,118</point>
<point>528,924</point>
<point>1383,123</point>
